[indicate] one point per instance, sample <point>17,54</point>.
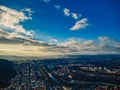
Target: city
<point>81,73</point>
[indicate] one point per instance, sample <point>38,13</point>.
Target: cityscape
<point>81,73</point>
<point>59,44</point>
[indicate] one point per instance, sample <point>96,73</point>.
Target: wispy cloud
<point>28,47</point>
<point>57,6</point>
<point>46,1</point>
<point>81,46</point>
<point>66,12</point>
<point>10,19</point>
<point>81,24</point>
<point>29,11</point>
<point>76,16</point>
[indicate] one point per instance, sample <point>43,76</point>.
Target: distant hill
<point>7,71</point>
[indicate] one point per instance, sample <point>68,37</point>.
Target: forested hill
<point>7,71</point>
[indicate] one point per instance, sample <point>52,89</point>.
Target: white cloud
<point>81,24</point>
<point>10,19</point>
<point>110,41</point>
<point>76,16</point>
<point>29,11</point>
<point>84,47</point>
<point>66,12</point>
<point>22,46</point>
<point>48,39</point>
<point>57,6</point>
<point>46,1</point>
<point>53,41</point>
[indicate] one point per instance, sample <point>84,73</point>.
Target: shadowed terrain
<point>7,71</point>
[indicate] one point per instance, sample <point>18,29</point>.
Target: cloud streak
<point>81,24</point>
<point>81,46</point>
<point>71,46</point>
<point>46,1</point>
<point>57,6</point>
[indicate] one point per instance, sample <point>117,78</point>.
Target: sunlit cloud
<point>10,19</point>
<point>76,16</point>
<point>78,46</point>
<point>81,46</point>
<point>66,12</point>
<point>81,24</point>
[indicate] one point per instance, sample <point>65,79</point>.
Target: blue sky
<point>102,15</point>
<point>61,21</point>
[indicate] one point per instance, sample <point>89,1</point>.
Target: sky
<point>59,27</point>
